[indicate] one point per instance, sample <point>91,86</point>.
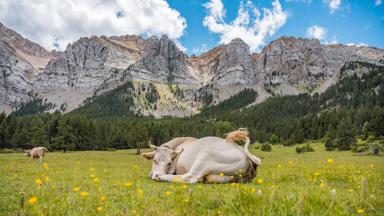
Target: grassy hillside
<point>116,183</point>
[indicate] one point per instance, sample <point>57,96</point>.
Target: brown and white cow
<point>36,153</point>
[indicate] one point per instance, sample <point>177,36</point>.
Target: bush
<point>274,139</point>
<point>266,147</point>
<point>329,144</point>
<point>304,148</point>
<point>360,146</point>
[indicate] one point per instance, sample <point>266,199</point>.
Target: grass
<point>116,183</point>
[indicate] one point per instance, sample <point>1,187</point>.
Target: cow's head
<point>162,158</point>
<point>27,153</point>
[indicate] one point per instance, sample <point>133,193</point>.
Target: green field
<point>116,183</point>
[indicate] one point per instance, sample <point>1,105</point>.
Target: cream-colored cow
<point>209,159</point>
<point>36,153</point>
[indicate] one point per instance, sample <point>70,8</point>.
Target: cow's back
<point>206,145</point>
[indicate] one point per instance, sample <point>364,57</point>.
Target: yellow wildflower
<point>186,200</point>
<point>139,192</point>
<point>99,209</point>
<point>76,189</point>
<point>260,181</point>
<point>322,184</point>
<point>46,179</point>
<point>38,181</point>
<point>200,187</point>
<point>95,180</point>
<point>127,184</point>
<point>32,200</point>
<point>279,166</point>
<point>92,176</point>
<point>84,194</point>
<point>330,161</point>
<point>221,174</point>
<point>316,173</point>
<point>371,165</point>
<point>290,162</point>
<point>233,184</point>
<point>168,193</point>
<point>102,198</point>
<point>45,166</point>
<point>184,186</point>
<point>360,211</point>
<point>350,190</point>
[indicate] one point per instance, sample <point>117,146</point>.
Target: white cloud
<point>300,1</point>
<point>251,25</point>
<point>317,32</point>
<point>333,5</point>
<point>58,22</point>
<point>358,45</point>
<point>378,2</point>
<point>200,49</point>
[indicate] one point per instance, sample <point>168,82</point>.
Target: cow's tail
<point>252,157</point>
<point>242,135</point>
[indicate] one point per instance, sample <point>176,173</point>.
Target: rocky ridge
<point>96,64</point>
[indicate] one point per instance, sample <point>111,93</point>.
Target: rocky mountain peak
<point>24,45</point>
<point>229,64</point>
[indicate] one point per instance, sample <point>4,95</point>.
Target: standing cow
<point>209,159</point>
<point>36,153</point>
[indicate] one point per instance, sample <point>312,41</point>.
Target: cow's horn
<point>152,146</point>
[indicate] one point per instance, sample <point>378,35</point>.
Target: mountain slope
<point>96,65</point>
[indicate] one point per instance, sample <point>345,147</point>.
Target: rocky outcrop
<point>227,65</point>
<point>86,63</point>
<point>297,65</point>
<point>15,76</point>
<point>294,60</point>
<point>32,52</point>
<point>163,62</point>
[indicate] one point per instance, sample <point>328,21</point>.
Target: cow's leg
<point>172,178</point>
<point>218,179</point>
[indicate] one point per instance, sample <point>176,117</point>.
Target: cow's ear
<point>175,153</point>
<point>148,155</point>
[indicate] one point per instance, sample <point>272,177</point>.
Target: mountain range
<point>164,80</point>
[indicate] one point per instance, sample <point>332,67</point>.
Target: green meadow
<point>116,183</point>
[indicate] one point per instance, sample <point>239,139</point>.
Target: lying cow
<point>209,159</point>
<point>36,153</point>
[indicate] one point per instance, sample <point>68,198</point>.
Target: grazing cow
<point>209,159</point>
<point>36,153</point>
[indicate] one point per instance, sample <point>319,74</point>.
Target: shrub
<point>360,146</point>
<point>266,147</point>
<point>329,144</point>
<point>274,139</point>
<point>304,148</point>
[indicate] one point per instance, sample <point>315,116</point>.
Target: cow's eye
<point>169,164</point>
<point>155,161</point>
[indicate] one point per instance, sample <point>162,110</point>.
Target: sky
<point>198,25</point>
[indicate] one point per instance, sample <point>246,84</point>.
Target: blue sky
<point>358,22</point>
<point>197,25</point>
